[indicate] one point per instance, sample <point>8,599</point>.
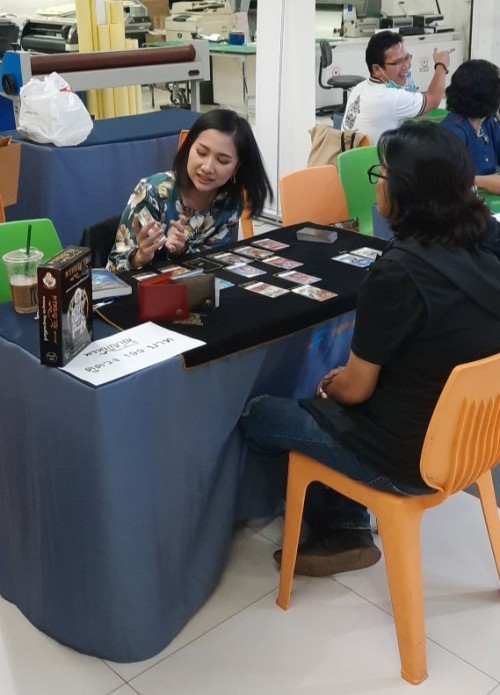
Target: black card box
<point>65,305</point>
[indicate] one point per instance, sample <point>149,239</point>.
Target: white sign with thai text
<point>127,352</point>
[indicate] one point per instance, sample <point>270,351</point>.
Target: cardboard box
<point>158,22</point>
<point>156,8</point>
<point>10,161</point>
<point>65,305</point>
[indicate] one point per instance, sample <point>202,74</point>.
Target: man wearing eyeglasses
<point>386,99</point>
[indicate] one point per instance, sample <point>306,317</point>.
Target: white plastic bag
<point>52,112</point>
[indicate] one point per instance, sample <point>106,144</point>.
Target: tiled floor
<point>337,637</point>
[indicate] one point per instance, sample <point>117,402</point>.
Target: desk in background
<point>77,187</point>
<point>233,75</point>
<point>117,503</point>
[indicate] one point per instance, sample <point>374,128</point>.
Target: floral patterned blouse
<point>159,194</point>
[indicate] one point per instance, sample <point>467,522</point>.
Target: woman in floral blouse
<point>198,204</point>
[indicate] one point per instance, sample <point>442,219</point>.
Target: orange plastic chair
<point>246,219</point>
<point>461,447</point>
<point>314,195</point>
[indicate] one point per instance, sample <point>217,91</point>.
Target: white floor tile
<point>330,641</point>
<point>462,599</point>
<point>124,690</point>
<point>33,664</point>
<point>250,574</point>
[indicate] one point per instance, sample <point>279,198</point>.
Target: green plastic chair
<point>360,193</point>
<point>491,200</point>
<point>13,235</point>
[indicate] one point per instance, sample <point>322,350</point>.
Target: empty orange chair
<point>314,195</point>
<point>461,447</point>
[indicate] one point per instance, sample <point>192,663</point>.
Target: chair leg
<point>490,513</point>
<point>295,496</point>
<point>399,529</point>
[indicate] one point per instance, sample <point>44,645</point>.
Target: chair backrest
<point>13,236</point>
<point>463,437</point>
<point>360,193</point>
<point>314,194</point>
<point>246,219</point>
<point>325,59</point>
<point>327,143</point>
<point>100,239</point>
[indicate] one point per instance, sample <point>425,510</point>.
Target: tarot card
<point>279,262</point>
<point>314,293</point>
<point>144,276</point>
<point>176,270</point>
<point>248,271</point>
<point>252,252</point>
<point>298,277</point>
<point>270,244</point>
<point>367,252</point>
<point>204,263</point>
<point>351,259</point>
<point>223,284</point>
<point>229,258</point>
<point>325,236</point>
<point>265,289</point>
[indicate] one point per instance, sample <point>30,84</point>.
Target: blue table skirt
<point>117,504</point>
<point>79,186</point>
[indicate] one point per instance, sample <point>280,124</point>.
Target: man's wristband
<point>443,66</point>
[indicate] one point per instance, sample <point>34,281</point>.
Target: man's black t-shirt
<point>415,320</point>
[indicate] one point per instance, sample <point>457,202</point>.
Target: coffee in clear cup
<point>22,274</point>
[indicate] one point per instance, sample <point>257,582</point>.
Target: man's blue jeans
<point>274,426</point>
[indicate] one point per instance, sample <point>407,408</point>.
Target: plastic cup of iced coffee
<point>22,273</point>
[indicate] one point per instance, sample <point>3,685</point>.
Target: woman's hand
<point>177,239</point>
<point>149,239</point>
<point>489,183</point>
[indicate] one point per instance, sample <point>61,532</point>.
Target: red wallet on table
<point>163,298</point>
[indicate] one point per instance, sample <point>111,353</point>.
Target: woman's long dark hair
<point>250,177</point>
<point>430,180</point>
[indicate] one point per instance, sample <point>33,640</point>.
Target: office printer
<point>203,18</point>
<point>361,26</point>
<point>9,35</point>
<point>54,30</point>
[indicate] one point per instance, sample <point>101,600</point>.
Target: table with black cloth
<point>117,503</point>
<point>77,187</point>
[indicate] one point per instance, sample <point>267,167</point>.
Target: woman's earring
<point>233,178</point>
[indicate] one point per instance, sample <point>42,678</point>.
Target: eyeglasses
<point>401,61</point>
<point>374,173</point>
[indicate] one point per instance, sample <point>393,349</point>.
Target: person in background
<point>473,98</point>
<point>198,204</point>
<point>388,97</point>
<point>430,302</point>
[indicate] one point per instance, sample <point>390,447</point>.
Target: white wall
<point>485,36</point>
<point>286,83</point>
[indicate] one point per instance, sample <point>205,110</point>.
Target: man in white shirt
<point>382,102</point>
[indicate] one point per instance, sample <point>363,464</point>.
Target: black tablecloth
<point>246,319</point>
